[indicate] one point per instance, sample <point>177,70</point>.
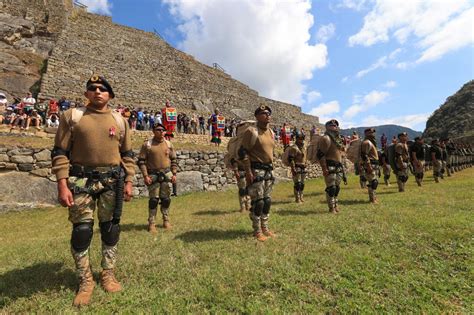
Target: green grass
<point>412,253</point>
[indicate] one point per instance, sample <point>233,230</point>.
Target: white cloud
<point>365,102</point>
<point>312,96</point>
<point>380,63</point>
<point>414,121</point>
<point>264,44</point>
<point>438,27</point>
<point>325,109</point>
<point>344,80</point>
<point>357,5</point>
<point>454,35</point>
<point>325,32</point>
<point>98,6</point>
<point>390,84</point>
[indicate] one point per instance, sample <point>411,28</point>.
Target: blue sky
<point>364,62</point>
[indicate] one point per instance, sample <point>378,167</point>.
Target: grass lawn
<point>412,253</point>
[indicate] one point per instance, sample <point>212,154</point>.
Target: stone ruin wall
<point>145,71</point>
<point>197,171</point>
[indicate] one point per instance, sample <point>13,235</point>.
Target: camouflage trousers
<point>298,180</point>
<point>386,174</point>
<point>245,201</point>
<point>372,181</point>
<point>260,194</point>
<point>402,176</point>
<point>162,191</point>
<point>437,169</point>
<point>444,169</point>
<point>419,170</point>
<point>362,177</point>
<point>87,197</point>
<point>333,184</point>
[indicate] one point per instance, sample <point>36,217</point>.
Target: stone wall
<point>197,171</point>
<point>145,71</point>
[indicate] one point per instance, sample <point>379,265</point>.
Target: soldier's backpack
<point>78,112</point>
<point>391,157</point>
<point>353,152</point>
<point>236,142</point>
<point>312,150</point>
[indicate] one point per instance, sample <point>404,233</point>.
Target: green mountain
<point>455,118</point>
<point>388,130</point>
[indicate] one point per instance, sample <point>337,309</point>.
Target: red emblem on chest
<point>112,131</point>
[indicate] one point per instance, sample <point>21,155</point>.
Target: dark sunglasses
<point>159,129</point>
<point>93,88</point>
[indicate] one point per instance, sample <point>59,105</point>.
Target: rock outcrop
<point>455,118</point>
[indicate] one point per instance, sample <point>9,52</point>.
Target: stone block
<point>25,167</point>
<point>21,159</point>
<point>189,181</point>
<point>212,161</point>
<point>42,172</point>
<point>44,155</point>
<point>4,158</point>
<point>43,164</point>
<point>10,166</point>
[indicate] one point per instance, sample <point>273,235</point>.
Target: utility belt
<point>159,176</point>
<point>98,173</point>
<point>334,167</point>
<point>374,162</point>
<point>262,166</point>
<point>267,168</point>
<point>300,168</point>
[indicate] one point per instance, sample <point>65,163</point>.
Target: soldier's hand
<point>237,175</point>
<point>65,196</point>
<point>249,178</point>
<point>127,191</point>
<point>173,179</point>
<point>147,180</point>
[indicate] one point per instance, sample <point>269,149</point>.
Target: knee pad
<point>332,191</point>
<point>338,189</point>
<point>363,178</point>
<point>153,203</point>
<point>374,183</point>
<point>257,207</point>
<point>81,236</point>
<point>165,202</point>
<point>442,171</point>
<point>242,192</point>
<point>386,177</point>
<point>109,233</point>
<point>267,203</point>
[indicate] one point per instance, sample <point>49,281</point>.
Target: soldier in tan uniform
<point>256,154</point>
<point>329,154</point>
<point>418,159</point>
<point>370,162</point>
<point>157,162</point>
<point>436,159</point>
<point>402,158</point>
<point>297,159</point>
<point>93,162</point>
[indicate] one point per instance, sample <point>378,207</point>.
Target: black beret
<point>332,122</point>
<point>158,125</point>
<point>103,81</point>
<point>262,108</point>
<point>402,134</point>
<point>369,130</point>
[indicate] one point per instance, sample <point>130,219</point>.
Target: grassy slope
<point>411,253</point>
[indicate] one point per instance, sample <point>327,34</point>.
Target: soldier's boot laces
<point>259,236</point>
<point>166,224</point>
<point>109,282</point>
<point>84,292</point>
<point>268,233</point>
<point>152,228</point>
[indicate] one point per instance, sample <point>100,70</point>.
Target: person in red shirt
<point>168,115</point>
<point>285,135</point>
